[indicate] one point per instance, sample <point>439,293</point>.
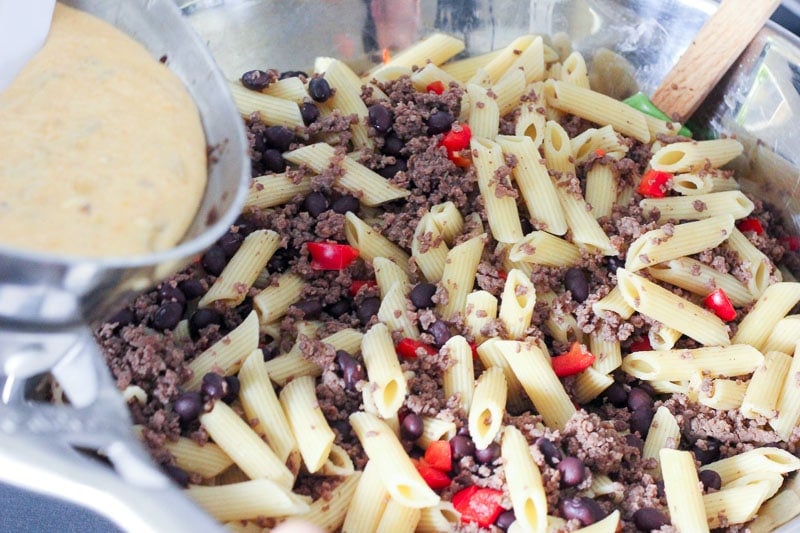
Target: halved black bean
<point>273,160</point>
<point>214,386</point>
<point>191,288</point>
<point>439,122</point>
<point>230,243</point>
<point>389,171</point>
<point>339,308</point>
<point>292,74</point>
<point>613,263</point>
<point>169,293</point>
<point>368,308</point>
<point>441,333</point>
<point>489,454</point>
<point>392,145</point>
<point>526,225</point>
<point>256,80</point>
<point>583,509</point>
<point>280,260</point>
<point>233,385</point>
<point>572,471</point>
<point>310,307</point>
<point>188,406</point>
<point>575,282</point>
<point>638,398</point>
<point>461,446</point>
<point>316,203</point>
<point>345,203</point>
<point>411,427</point>
<point>259,144</point>
<point>279,137</point>
<point>649,519</point>
<point>616,394</point>
<point>167,315</point>
<point>319,89</point>
<point>706,450</point>
<point>352,369</point>
<point>214,260</point>
<point>380,118</point>
<point>710,479</point>
<point>640,421</point>
<point>422,295</point>
<point>552,455</point>
<point>343,428</point>
<point>244,308</point>
<point>309,112</point>
<point>201,319</point>
<point>505,519</point>
<point>177,474</point>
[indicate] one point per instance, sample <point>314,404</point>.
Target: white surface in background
<point>23,28</point>
<point>792,5</point>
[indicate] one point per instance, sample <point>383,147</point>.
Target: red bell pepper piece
<point>654,184</point>
<point>412,348</point>
<point>642,345</point>
<point>575,361</point>
<point>599,152</point>
<point>474,348</point>
<point>356,285</point>
<point>435,87</point>
<point>439,456</point>
<point>435,478</point>
<point>459,159</point>
<point>456,140</point>
<point>718,302</point>
<point>750,224</point>
<point>478,504</point>
<point>331,255</point>
<point>791,243</point>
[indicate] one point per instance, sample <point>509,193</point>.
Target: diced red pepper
<point>642,345</point>
<point>478,504</point>
<point>412,348</point>
<point>356,285</point>
<point>502,274</point>
<point>718,302</point>
<point>750,224</point>
<point>654,184</point>
<point>599,152</point>
<point>456,140</point>
<point>459,159</point>
<point>435,478</point>
<point>474,348</point>
<point>791,243</point>
<point>435,87</point>
<point>331,255</point>
<point>439,455</point>
<point>575,361</point>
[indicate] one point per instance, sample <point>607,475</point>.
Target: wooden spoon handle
<point>717,45</point>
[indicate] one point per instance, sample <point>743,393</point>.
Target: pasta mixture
<point>475,295</point>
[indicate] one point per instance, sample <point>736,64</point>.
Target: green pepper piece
<point>641,102</point>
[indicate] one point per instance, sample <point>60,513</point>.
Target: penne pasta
<point>488,406</point>
<point>517,302</point>
<point>274,190</point>
<point>673,365</point>
<point>272,302</point>
<point>207,460</point>
<point>788,404</point>
<point>524,481</point>
<point>274,111</point>
<point>498,195</point>
<point>368,502</point>
<point>772,306</point>
<point>311,431</point>
<point>387,381</point>
<point>695,155</point>
<point>428,248</point>
<point>761,396</point>
<point>459,273</point>
<point>370,243</point>
<point>542,248</point>
<point>459,376</point>
<point>682,488</point>
<point>784,336</point>
<point>699,206</point>
<point>700,279</point>
<point>329,513</point>
<point>248,499</point>
<point>227,354</point>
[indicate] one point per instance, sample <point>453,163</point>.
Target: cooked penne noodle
<point>724,394</point>
<point>753,261</point>
<point>665,243</point>
<point>272,302</point>
<point>589,384</point>
<point>682,488</point>
<point>398,518</point>
<point>501,206</point>
<point>609,524</point>
<point>607,353</point>
<point>524,481</point>
<point>448,220</point>
<point>491,355</point>
<point>481,310</point>
<point>699,206</point>
<point>488,407</point>
<point>695,155</point>
<point>678,313</point>
<point>273,190</point>
<point>329,513</point>
<point>394,312</point>
<point>530,62</point>
<point>288,88</point>
<point>274,111</point>
<point>369,187</point>
<point>508,91</point>
<point>574,70</point>
<point>436,48</point>
<point>244,446</point>
<point>700,279</point>
<point>459,376</point>
<point>243,268</point>
<point>662,337</point>
<point>428,248</point>
<point>207,460</point>
<point>311,431</point>
<point>459,273</point>
<point>714,361</point>
<point>387,381</point>
<point>464,69</point>
<point>434,429</point>
<point>227,354</point>
<point>664,433</point>
<point>248,499</point>
<point>761,396</point>
<point>788,405</point>
<point>517,302</point>
<point>765,459</point>
<point>775,512</point>
<point>562,326</point>
<point>370,243</point>
<point>431,73</point>
<point>772,306</point>
<point>735,505</point>
<point>784,336</point>
<point>601,189</point>
<point>347,99</point>
<point>338,463</point>
<point>613,302</point>
<point>292,364</point>
<point>703,182</point>
<point>388,274</point>
<point>542,248</point>
<point>399,475</point>
<point>588,143</point>
<point>493,70</point>
<point>368,502</point>
<point>598,108</point>
<point>484,114</point>
<point>441,517</point>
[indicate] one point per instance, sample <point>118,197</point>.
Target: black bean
<point>123,317</point>
<point>616,394</point>
<point>270,352</point>
<point>411,427</point>
<point>230,243</point>
<point>273,160</point>
<point>392,145</point>
<point>389,171</point>
<point>191,288</point>
<point>710,479</point>
<point>201,319</point>
<point>343,428</point>
<point>441,333</point>
<point>583,509</point>
<point>214,260</point>
<point>461,446</point>
<point>505,519</point>
<point>188,406</point>
<point>706,450</point>
<point>352,369</point>
<point>292,74</point>
<point>439,122</point>
<point>316,203</point>
<point>526,225</point>
<point>339,308</point>
<point>634,441</point>
<point>489,454</point>
<point>169,293</point>
<point>649,518</point>
<point>279,137</point>
<point>463,430</point>
<point>639,399</point>
<point>345,203</point>
<point>233,385</point>
<point>552,455</point>
<point>368,308</point>
<point>309,112</point>
<point>280,260</point>
<point>256,80</point>
<point>572,471</point>
<point>319,90</point>
<point>422,295</point>
<point>245,308</point>
<point>244,225</point>
<point>214,386</point>
<point>167,315</point>
<point>613,263</point>
<point>176,474</point>
<point>380,118</point>
<point>576,283</point>
<point>310,308</point>
<point>259,144</point>
<point>640,421</point>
